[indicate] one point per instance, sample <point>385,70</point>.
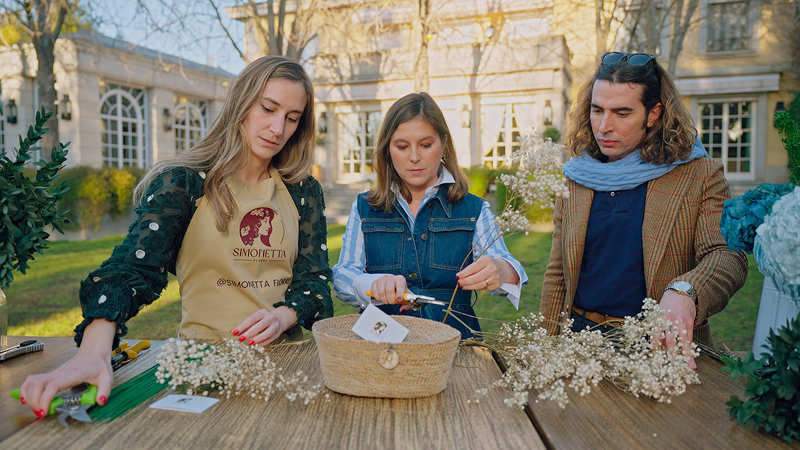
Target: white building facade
<point>496,70</point>
<point>119,105</point>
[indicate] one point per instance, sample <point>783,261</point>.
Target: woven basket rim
<point>317,330</point>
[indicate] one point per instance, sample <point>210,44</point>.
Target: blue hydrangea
<point>777,245</point>
<point>742,215</point>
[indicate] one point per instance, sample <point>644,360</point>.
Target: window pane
<point>745,166</point>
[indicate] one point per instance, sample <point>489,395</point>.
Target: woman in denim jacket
<point>418,230</point>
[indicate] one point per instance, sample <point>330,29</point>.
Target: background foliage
<point>96,193</point>
<point>27,203</point>
<point>788,124</point>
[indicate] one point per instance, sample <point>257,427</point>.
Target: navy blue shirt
<point>611,279</point>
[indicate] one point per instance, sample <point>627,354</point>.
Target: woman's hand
<point>389,289</point>
<point>92,364</point>
<point>487,273</point>
<point>263,327</point>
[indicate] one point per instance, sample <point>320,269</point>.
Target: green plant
<point>121,183</point>
<point>772,385</point>
<point>790,135</point>
<point>552,133</point>
<point>27,203</point>
<point>94,200</point>
<point>95,193</point>
<point>479,179</point>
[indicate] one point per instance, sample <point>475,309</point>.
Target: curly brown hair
<point>669,139</point>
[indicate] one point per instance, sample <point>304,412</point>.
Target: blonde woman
<point>197,215</point>
<point>413,231</point>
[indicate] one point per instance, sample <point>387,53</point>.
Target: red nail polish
<point>235,332</point>
<point>22,400</point>
<point>101,400</point>
<point>251,342</point>
<point>241,338</point>
<point>40,413</point>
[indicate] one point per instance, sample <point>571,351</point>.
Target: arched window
<point>123,122</point>
<point>190,124</point>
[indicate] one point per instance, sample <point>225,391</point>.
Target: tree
<point>41,22</point>
<point>421,29</point>
<point>655,19</point>
<point>282,27</point>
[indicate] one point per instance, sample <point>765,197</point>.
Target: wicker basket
<point>417,367</point>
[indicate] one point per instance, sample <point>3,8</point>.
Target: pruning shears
<point>410,298</point>
<point>123,354</point>
<point>75,402</point>
<point>71,403</point>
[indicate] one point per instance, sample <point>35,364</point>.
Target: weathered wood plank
<point>442,421</point>
<point>610,418</point>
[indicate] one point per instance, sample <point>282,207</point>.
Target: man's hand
<point>680,308</point>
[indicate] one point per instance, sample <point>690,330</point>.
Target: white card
<point>377,326</point>
<point>185,403</point>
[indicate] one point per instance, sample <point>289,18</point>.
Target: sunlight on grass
<point>60,324</point>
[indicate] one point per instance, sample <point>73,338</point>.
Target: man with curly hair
<point>642,217</point>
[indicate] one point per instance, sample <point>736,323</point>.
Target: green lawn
<point>44,301</point>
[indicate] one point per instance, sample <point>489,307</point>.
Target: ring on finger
<point>486,284</point>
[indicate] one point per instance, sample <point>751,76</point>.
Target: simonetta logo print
<point>257,224</point>
<point>262,234</point>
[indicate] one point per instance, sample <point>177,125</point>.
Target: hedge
<point>95,193</point>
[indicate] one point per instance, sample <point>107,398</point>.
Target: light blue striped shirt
<point>350,281</point>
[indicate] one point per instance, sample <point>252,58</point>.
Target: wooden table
<point>607,418</point>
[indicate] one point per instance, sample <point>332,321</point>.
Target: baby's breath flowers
<point>631,356</point>
<point>231,368</point>
<point>536,181</point>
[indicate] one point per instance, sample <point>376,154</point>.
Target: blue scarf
<point>623,174</point>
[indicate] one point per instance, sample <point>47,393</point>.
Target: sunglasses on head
<point>633,59</point>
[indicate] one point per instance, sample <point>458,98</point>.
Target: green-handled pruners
<point>71,403</point>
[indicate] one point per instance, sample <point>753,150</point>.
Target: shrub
<point>121,183</point>
<point>788,127</point>
<point>95,193</point>
<point>94,200</point>
<point>479,180</point>
<point>552,133</point>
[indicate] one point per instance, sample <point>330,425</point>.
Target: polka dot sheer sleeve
<point>136,272</point>
<point>309,293</point>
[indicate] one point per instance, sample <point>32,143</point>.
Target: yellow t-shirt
<point>225,277</point>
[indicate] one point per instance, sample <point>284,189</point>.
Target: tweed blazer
<point>681,240</point>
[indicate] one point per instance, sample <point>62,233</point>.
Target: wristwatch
<point>683,287</point>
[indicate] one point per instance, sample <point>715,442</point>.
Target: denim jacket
<point>429,256</point>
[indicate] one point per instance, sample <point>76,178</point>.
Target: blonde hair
<point>382,196</point>
<point>223,150</point>
<point>669,139</point>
